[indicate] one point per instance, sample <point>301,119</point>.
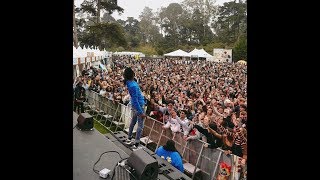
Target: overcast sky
<point>133,8</point>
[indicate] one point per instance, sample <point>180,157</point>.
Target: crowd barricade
<point>199,161</point>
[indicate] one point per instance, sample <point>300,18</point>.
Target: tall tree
<point>171,22</point>
<point>147,24</point>
<point>231,21</point>
<point>94,8</point>
<point>91,33</point>
<point>132,29</point>
<point>107,18</point>
<point>104,35</point>
<point>206,10</point>
<point>75,35</point>
<point>240,49</point>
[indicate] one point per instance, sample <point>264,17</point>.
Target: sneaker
<point>136,147</point>
<point>128,142</point>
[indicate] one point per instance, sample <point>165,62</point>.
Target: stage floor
<point>87,147</point>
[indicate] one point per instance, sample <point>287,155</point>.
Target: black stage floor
<point>89,145</point>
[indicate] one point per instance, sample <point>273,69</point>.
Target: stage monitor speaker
<point>145,166</point>
<point>85,122</point>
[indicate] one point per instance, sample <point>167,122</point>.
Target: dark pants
<point>211,139</point>
<point>78,107</point>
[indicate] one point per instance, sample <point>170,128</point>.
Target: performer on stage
<point>138,102</point>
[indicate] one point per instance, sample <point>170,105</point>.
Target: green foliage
<point>240,49</point>
<point>231,22</point>
<point>117,49</point>
<point>149,31</point>
<point>91,6</point>
<point>159,52</point>
<point>146,49</point>
<point>100,127</point>
<point>111,6</point>
<point>191,24</point>
<point>92,32</point>
<point>104,35</point>
<point>132,31</point>
<point>107,18</point>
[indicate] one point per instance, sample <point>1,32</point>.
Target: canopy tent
<point>242,62</point>
<point>85,52</point>
<point>85,57</point>
<point>140,54</point>
<point>204,54</point>
<point>200,53</point>
<point>178,53</point>
<point>194,53</point>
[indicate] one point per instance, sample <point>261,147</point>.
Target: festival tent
<point>84,57</point>
<point>203,53</point>
<point>178,53</point>
<point>133,54</point>
<point>194,53</point>
<point>242,62</point>
<point>200,53</point>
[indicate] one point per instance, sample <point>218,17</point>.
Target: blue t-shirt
<point>172,157</point>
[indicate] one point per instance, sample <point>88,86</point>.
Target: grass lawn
<point>100,128</point>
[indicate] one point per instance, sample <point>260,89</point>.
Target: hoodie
<point>137,99</point>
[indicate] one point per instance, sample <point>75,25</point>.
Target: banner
<point>222,55</point>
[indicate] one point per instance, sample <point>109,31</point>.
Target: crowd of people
<point>203,100</point>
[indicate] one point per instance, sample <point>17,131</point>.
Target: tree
<point>148,28</point>
<point>107,18</point>
<point>240,49</point>
<point>171,22</point>
<point>205,10</point>
<point>231,21</point>
<point>94,7</point>
<point>132,29</point>
<point>75,35</point>
<point>103,37</point>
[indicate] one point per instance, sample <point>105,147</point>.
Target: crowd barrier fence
<point>199,161</point>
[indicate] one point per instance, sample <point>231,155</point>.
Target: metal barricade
<point>194,153</point>
<point>115,116</point>
<point>111,114</point>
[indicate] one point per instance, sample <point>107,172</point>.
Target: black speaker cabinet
<point>85,122</point>
<point>145,166</point>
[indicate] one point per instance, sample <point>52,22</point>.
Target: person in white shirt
<point>172,122</point>
<point>184,122</point>
<point>103,92</point>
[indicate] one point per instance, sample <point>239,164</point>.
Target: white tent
<point>194,53</point>
<point>203,53</point>
<point>178,53</point>
<point>82,53</point>
<point>123,53</point>
<point>200,53</point>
